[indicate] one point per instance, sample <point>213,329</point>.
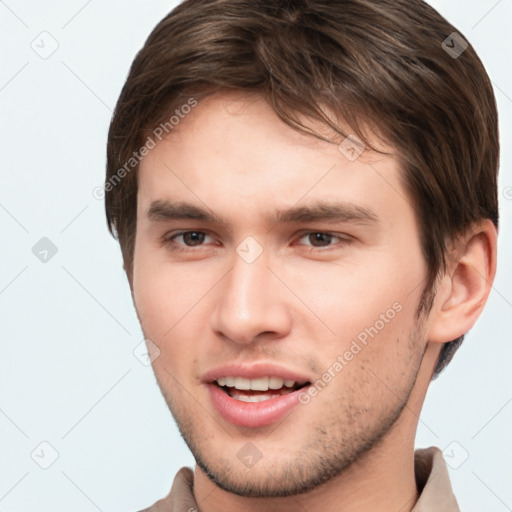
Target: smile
<point>257,390</point>
<point>255,402</point>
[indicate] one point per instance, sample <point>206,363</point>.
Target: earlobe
<point>464,288</point>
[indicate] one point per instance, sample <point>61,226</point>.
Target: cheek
<point>162,302</point>
<point>159,290</point>
<point>355,296</point>
<point>172,301</point>
<point>151,297</point>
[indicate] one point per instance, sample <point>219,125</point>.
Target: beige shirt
<point>430,469</point>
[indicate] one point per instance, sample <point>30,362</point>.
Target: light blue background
<point>68,374</point>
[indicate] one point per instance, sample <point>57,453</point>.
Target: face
<point>279,279</point>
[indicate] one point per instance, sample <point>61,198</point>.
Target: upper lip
<point>254,371</point>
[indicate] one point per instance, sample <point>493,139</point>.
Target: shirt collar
<point>433,482</point>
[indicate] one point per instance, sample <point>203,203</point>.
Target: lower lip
<point>253,414</point>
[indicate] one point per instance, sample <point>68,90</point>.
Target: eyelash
<point>169,240</point>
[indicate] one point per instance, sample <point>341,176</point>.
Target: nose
<point>252,304</point>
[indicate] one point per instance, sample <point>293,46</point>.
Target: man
<point>305,197</point>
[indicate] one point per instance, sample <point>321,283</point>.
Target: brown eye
<point>192,238</point>
<point>188,238</point>
<point>320,239</point>
<point>189,242</point>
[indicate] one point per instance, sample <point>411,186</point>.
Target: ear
<point>463,290</point>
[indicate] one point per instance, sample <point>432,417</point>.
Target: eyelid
<point>342,238</point>
<point>170,238</point>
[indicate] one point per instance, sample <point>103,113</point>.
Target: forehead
<point>233,153</point>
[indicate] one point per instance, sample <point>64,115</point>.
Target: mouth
<point>255,399</point>
<point>255,394</point>
<point>258,389</point>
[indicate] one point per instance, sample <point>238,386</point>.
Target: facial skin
<point>296,306</point>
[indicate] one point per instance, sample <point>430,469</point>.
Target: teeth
<point>242,383</point>
<point>259,384</point>
<point>275,383</point>
<point>253,398</point>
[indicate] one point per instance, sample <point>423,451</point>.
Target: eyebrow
<point>327,212</point>
<point>163,210</point>
<point>170,210</point>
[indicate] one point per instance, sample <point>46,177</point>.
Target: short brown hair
<point>378,63</point>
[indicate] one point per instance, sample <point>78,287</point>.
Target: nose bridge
<point>247,282</point>
<point>250,302</point>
